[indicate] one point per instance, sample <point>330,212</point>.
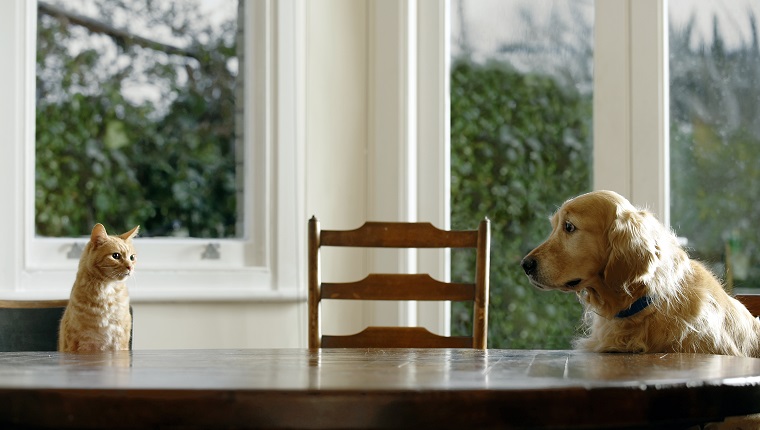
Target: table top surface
<point>518,378</point>
<point>369,369</point>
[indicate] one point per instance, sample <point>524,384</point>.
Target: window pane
<point>715,134</point>
<point>521,105</point>
<point>136,106</point>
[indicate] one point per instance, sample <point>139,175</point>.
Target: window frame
<point>263,265</point>
<point>631,102</point>
<point>408,143</point>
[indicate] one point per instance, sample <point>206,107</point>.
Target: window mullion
<point>631,102</point>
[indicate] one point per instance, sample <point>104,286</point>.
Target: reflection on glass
<point>715,134</point>
<point>521,106</point>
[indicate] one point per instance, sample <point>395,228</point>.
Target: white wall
<point>336,190</point>
<point>217,325</point>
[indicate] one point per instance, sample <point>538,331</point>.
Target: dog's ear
<point>633,249</point>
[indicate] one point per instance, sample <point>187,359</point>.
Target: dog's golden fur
<point>610,254</point>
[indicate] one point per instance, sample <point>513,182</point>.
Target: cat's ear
<point>99,235</point>
<point>130,234</point>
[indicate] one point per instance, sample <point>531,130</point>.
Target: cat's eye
<point>116,256</point>
<point>132,257</point>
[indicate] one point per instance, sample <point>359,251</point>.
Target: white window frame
<point>631,96</point>
<point>409,160</point>
<point>264,265</point>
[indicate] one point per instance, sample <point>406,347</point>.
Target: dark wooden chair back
<point>30,325</point>
<point>27,325</point>
<point>751,302</point>
<point>400,286</point>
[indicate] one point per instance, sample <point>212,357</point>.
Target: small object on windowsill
<point>75,252</point>
<point>211,252</point>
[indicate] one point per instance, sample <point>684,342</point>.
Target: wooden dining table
<point>372,388</point>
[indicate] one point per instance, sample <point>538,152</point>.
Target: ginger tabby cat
<point>97,317</point>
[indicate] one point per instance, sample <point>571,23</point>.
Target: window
<point>714,135</point>
<point>136,111</point>
<point>521,121</point>
<point>256,254</point>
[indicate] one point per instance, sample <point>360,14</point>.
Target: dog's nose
<point>529,265</point>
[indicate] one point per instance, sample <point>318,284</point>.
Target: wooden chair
<point>399,286</point>
<point>32,325</point>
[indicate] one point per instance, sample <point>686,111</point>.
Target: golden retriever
<point>640,290</point>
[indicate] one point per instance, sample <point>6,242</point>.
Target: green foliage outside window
<point>520,146</point>
<point>715,150</point>
<point>103,157</point>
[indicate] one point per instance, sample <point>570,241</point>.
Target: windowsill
<point>289,295</point>
<point>179,285</point>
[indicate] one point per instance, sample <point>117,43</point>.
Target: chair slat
<point>399,287</point>
<point>399,235</point>
<point>395,337</point>
<point>32,304</point>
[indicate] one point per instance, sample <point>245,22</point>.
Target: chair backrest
<point>400,286</point>
<point>751,302</point>
<point>32,325</point>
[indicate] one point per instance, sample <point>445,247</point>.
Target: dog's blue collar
<point>637,306</point>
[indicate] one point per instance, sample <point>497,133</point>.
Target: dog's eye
<point>569,227</point>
